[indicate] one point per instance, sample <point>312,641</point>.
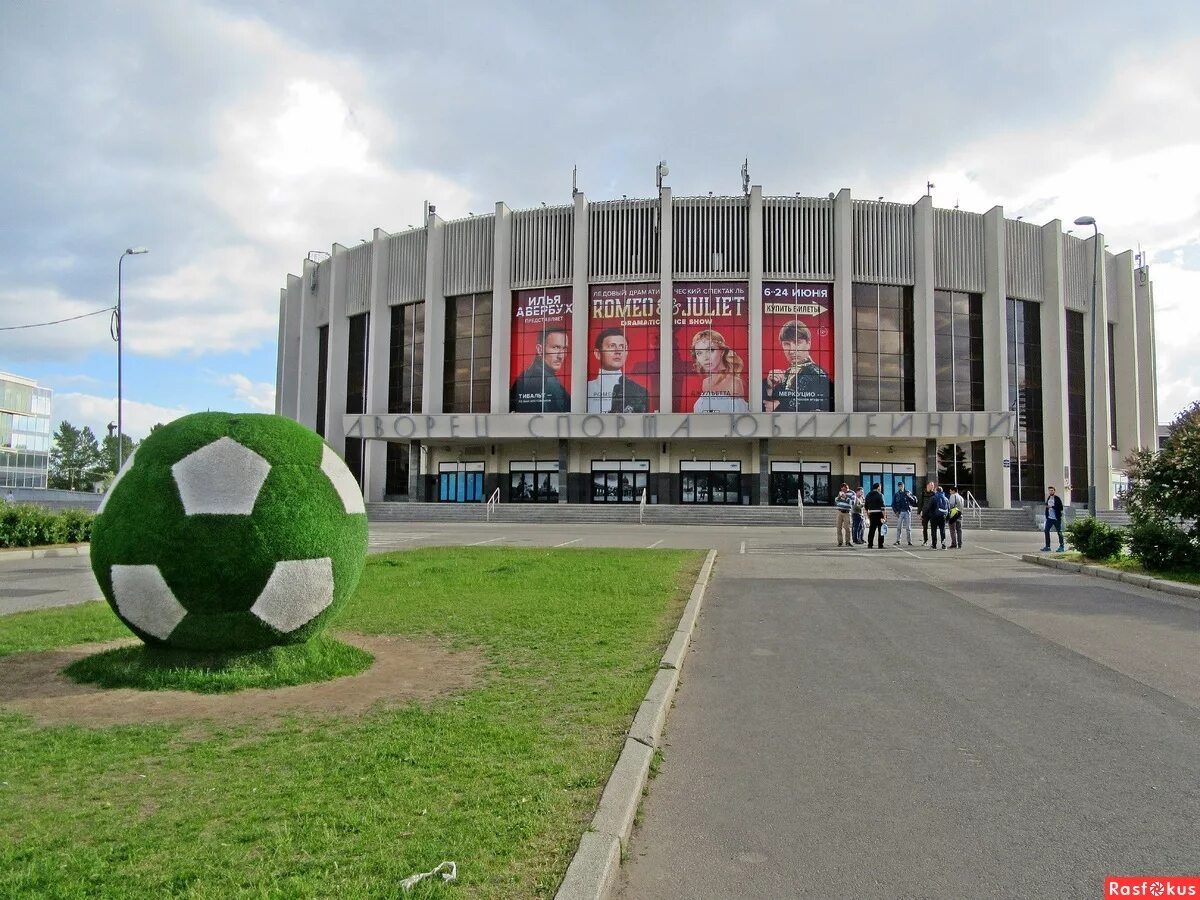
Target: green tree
<point>108,450</point>
<point>1165,485</point>
<point>75,458</point>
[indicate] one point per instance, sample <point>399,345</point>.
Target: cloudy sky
<point>232,138</point>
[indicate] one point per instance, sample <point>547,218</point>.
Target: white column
<point>379,345</point>
<point>754,290</point>
<point>1125,353</point>
<point>843,299</point>
<point>1100,434</point>
<point>280,350</point>
<point>580,310</point>
<point>924,282</point>
<point>1056,429</point>
<point>995,353</point>
<point>1147,378</point>
<point>339,335</point>
<point>501,308</point>
<point>288,390</point>
<point>435,316</point>
<point>666,283</point>
<point>309,350</point>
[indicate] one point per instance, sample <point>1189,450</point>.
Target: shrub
<point>24,526</point>
<point>1094,539</point>
<point>71,526</point>
<point>1159,546</point>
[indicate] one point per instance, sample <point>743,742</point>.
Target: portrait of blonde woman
<point>723,389</point>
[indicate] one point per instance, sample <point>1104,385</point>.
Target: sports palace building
<point>722,350</point>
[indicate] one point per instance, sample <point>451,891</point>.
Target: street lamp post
<point>132,251</point>
<point>1092,443</point>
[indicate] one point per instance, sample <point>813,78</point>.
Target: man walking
<point>856,515</point>
<point>845,505</point>
<point>902,505</point>
<point>1054,515</point>
<point>876,510</point>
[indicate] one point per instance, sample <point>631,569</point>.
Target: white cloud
<point>257,395</point>
<point>137,418</point>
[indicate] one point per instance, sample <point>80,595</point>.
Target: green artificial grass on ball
<point>230,531</point>
<point>151,668</point>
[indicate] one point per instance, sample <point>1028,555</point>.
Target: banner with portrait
<point>540,352</point>
<point>711,334</point>
<point>623,348</point>
<point>797,347</point>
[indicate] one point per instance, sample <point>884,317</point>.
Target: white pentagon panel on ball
<point>112,487</point>
<point>297,591</point>
<point>221,478</point>
<point>145,600</point>
<point>343,481</point>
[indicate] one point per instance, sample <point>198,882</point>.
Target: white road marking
<point>655,544</point>
<point>564,543</point>
<point>488,541</point>
<point>1001,552</point>
<point>742,552</point>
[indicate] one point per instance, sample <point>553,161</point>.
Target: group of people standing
<point>860,513</point>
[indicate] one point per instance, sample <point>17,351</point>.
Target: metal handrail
<point>642,509</point>
<point>974,508</point>
<point>492,503</point>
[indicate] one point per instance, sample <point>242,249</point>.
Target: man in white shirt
<point>611,391</point>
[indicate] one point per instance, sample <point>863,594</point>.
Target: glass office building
<point>24,433</point>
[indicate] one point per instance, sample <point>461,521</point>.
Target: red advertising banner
<point>541,351</point>
<point>623,340</point>
<point>711,328</point>
<point>797,347</point>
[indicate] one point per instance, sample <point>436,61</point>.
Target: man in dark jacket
<point>538,389</point>
<point>1054,517</point>
<point>902,504</point>
<point>936,511</point>
<point>875,508</point>
<point>922,504</point>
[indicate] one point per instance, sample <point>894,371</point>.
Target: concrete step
<point>660,513</point>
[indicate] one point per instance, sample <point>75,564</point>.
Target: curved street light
<point>1091,442</point>
<point>132,251</point>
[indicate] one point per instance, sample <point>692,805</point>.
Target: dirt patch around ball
<point>405,669</point>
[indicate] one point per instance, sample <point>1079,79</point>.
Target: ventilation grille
<point>623,240</point>
<point>543,247</point>
<point>883,242</point>
<point>321,277</point>
<point>1110,286</point>
<point>958,250</point>
<point>470,249</point>
<point>406,267</point>
<point>358,279</point>
<point>1023,270</point>
<point>709,237</point>
<point>1077,273</point>
<point>798,238</point>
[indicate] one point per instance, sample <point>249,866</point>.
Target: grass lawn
<point>501,779</point>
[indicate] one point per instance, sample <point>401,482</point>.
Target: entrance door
<point>460,482</point>
<point>703,481</point>
<point>788,478</point>
<point>620,481</point>
<point>890,476</point>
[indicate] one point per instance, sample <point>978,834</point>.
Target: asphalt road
<point>895,723</point>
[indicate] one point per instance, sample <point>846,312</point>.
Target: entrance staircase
<point>659,514</point>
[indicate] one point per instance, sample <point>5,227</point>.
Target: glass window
<point>322,373</point>
<point>1077,406</point>
<point>958,339</point>
<point>883,350</point>
<point>406,358</point>
<point>356,364</point>
<point>467,360</point>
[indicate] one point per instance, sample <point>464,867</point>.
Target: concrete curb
<point>1176,588</point>
<point>17,553</point>
<point>592,874</point>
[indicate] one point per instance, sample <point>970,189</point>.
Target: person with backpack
<point>954,518</point>
<point>876,512</point>
<point>935,514</point>
<point>902,505</point>
<point>845,505</point>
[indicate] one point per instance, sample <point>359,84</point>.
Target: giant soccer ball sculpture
<point>230,531</point>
